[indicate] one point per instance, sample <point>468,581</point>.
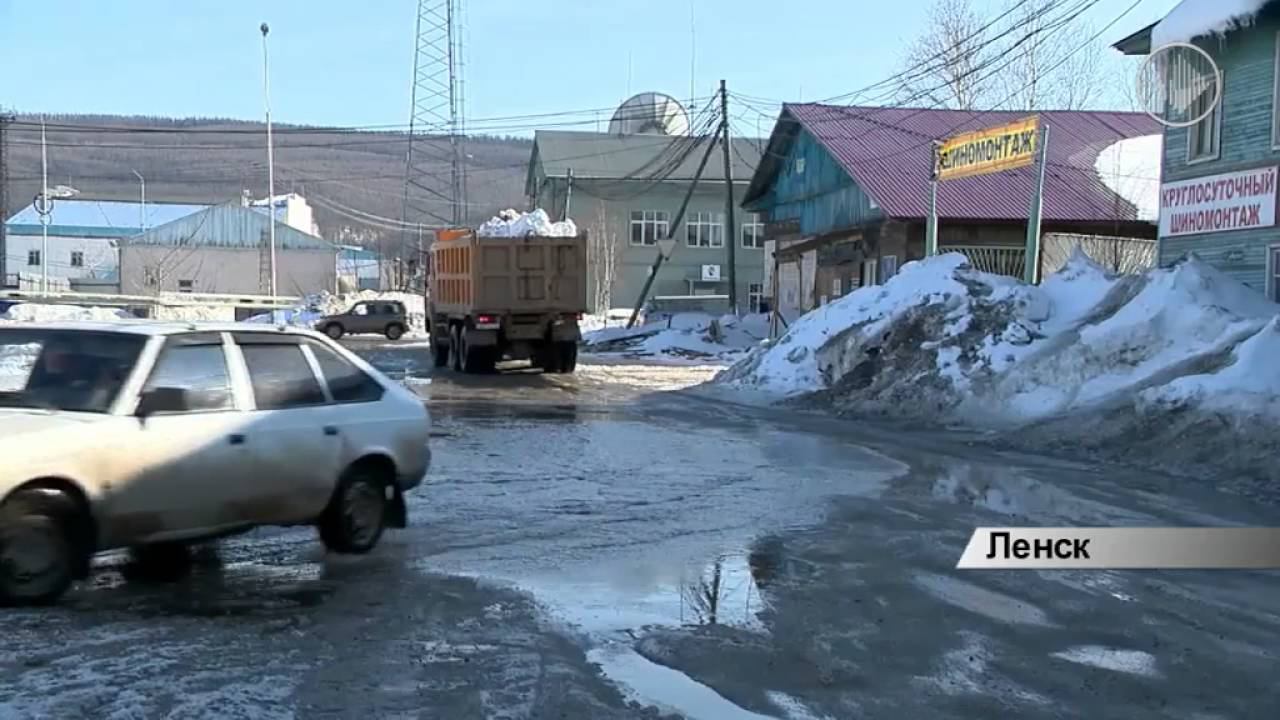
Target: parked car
<point>368,317</point>
<point>154,436</point>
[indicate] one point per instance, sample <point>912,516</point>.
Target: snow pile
<point>1193,18</point>
<point>39,312</point>
<point>946,342</point>
<point>695,336</point>
<point>195,313</point>
<point>1130,168</point>
<point>510,223</point>
<point>1175,367</point>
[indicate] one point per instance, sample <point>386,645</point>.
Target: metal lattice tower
<point>435,182</point>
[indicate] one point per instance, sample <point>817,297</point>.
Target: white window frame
<point>704,230</point>
<point>753,221</point>
<point>1273,270</point>
<point>755,297</point>
<point>33,255</point>
<point>191,286</point>
<point>1215,117</point>
<point>654,225</point>
<point>888,267</point>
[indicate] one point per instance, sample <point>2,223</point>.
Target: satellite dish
<point>650,113</point>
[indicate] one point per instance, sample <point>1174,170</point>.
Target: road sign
<point>665,246</point>
<point>991,150</point>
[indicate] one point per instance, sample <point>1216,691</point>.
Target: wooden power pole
<point>731,237</point>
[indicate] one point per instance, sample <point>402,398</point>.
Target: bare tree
<point>944,64</point>
<point>602,254</point>
<point>1045,67</point>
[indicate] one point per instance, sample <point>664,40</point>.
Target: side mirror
<point>162,400</point>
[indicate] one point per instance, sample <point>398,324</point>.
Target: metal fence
<point>996,259</point>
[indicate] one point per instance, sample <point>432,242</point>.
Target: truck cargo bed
<point>502,275</point>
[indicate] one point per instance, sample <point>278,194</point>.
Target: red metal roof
<point>887,152</point>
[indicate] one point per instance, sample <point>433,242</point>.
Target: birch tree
<point>943,65</point>
<point>603,256</point>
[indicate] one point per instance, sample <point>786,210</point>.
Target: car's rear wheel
<point>38,555</point>
<point>334,331</point>
<point>357,513</point>
<point>394,331</point>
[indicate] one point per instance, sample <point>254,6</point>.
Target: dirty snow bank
<point>510,223</point>
<point>1086,358</point>
<point>691,336</point>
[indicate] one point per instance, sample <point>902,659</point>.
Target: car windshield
<point>64,369</point>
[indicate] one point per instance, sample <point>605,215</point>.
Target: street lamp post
<point>45,209</point>
<point>271,165</point>
<point>142,210</point>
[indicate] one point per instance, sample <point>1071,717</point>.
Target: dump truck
<point>491,299</point>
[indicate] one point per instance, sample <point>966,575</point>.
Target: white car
<point>152,436</point>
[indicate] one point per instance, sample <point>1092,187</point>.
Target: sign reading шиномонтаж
<point>990,150</point>
<point>1216,203</point>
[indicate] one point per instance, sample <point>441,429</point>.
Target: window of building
<point>867,277</point>
<point>648,226</point>
<point>753,232</point>
<point>186,286</point>
<point>1204,137</point>
<point>347,383</point>
<point>888,267</point>
<point>281,377</point>
<point>33,257</point>
<point>705,230</point>
<point>77,258</point>
<point>200,369</point>
<point>1273,259</point>
<point>755,297</point>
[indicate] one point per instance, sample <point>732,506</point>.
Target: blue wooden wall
<point>817,191</point>
<point>1247,59</point>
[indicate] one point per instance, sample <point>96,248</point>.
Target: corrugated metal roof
<point>887,152</point>
<point>608,156</point>
<point>101,218</point>
<point>229,226</point>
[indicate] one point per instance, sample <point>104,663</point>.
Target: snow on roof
<point>1193,18</point>
<point>1131,169</point>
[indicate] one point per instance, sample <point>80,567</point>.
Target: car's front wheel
<point>37,553</point>
<point>357,514</point>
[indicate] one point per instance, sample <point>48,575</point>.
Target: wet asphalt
<point>603,546</point>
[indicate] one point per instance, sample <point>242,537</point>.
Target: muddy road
<point>598,546</point>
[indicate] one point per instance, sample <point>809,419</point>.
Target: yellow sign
<point>990,150</point>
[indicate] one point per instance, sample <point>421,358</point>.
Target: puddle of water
<point>722,591</point>
<point>1134,662</point>
<point>670,690</point>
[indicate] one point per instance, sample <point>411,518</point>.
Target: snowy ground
<point>946,344</point>
<point>681,338</point>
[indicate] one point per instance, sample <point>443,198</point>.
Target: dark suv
<point>381,317</point>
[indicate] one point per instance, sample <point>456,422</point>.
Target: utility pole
<point>142,209</point>
<point>4,197</point>
<point>44,209</point>
<point>271,163</point>
<point>667,244</point>
<point>730,235</point>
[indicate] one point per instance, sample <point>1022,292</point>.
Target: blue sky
<point>349,63</point>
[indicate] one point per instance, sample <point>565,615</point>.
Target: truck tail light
<point>572,316</point>
<point>486,319</point>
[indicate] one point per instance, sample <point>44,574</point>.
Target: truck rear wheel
<point>477,360</point>
<point>568,356</point>
<point>440,354</point>
<point>455,351</point>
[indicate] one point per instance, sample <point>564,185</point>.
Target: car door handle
<point>330,430</point>
<point>236,439</point>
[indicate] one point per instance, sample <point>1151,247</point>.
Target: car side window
<point>281,376</point>
<point>361,309</point>
<point>199,369</point>
<point>347,383</point>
